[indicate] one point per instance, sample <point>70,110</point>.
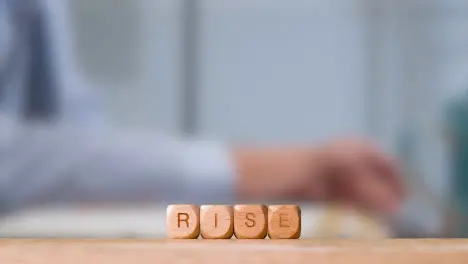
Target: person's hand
<point>348,171</point>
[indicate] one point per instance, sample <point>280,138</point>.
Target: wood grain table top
<point>91,251</point>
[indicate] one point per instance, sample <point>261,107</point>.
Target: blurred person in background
<point>44,161</point>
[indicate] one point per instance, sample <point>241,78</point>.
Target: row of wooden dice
<point>242,221</point>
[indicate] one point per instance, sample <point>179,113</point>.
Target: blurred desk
<point>58,251</point>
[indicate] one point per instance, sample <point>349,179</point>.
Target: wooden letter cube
<point>216,221</point>
<point>183,221</point>
<point>250,221</point>
<point>284,222</point>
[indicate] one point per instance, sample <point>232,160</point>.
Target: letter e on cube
<point>284,222</point>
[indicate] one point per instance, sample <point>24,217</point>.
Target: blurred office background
<point>267,71</point>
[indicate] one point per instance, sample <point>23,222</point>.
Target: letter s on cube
<point>183,221</point>
<point>250,221</point>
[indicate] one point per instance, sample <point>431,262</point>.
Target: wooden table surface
<point>71,251</point>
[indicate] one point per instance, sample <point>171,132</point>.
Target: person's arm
<point>40,165</point>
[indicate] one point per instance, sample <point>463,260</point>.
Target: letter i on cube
<point>243,221</point>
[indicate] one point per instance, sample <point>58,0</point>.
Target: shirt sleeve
<point>42,165</point>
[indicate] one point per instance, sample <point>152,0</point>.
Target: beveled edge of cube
<point>204,206</point>
<point>263,206</point>
<point>274,207</point>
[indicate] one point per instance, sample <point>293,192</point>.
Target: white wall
<point>269,70</point>
<point>282,70</point>
<point>129,55</point>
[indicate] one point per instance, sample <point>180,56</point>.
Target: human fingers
<point>371,191</point>
<point>386,168</point>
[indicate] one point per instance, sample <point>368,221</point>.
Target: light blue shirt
<point>70,162</point>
